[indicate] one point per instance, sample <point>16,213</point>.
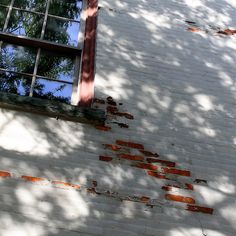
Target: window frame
<point>84,52</point>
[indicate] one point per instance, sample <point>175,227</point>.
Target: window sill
<point>54,109</point>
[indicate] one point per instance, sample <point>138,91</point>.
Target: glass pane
<point>33,5</point>
<point>56,66</point>
<point>3,15</point>
<point>69,9</point>
<point>17,58</point>
<point>5,2</point>
<point>62,31</point>
<point>14,83</point>
<point>25,23</point>
<point>52,90</point>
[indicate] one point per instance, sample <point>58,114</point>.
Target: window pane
<point>25,23</point>
<point>5,2</point>
<point>33,5</point>
<point>17,58</point>
<point>52,90</point>
<point>14,83</point>
<point>56,66</point>
<point>3,15</point>
<point>68,9</point>
<point>62,31</point>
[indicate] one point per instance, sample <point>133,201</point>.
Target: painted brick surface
<point>164,161</point>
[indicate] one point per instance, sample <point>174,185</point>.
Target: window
<point>40,48</point>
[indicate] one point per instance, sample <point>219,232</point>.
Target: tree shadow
<point>179,86</point>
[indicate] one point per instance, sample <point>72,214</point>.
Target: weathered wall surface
<point>163,164</point>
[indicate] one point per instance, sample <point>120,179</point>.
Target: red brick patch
<point>178,198</point>
<point>166,188</point>
<point>5,174</point>
<point>189,186</point>
<point>156,175</point>
<point>193,29</point>
<point>103,127</point>
<point>32,179</point>
<point>113,147</point>
<point>129,144</point>
<point>64,184</point>
<point>167,163</point>
<point>105,158</point>
<point>227,32</point>
<point>176,171</point>
<point>144,199</point>
<point>131,157</point>
<point>194,208</point>
<point>146,166</point>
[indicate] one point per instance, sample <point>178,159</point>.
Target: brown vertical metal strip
<point>88,57</point>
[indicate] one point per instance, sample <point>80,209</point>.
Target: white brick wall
<point>180,87</point>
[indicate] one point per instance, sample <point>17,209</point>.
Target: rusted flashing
<point>88,56</point>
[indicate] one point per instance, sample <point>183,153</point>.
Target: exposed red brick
<point>129,144</point>
<point>146,166</point>
<point>100,101</point>
<point>178,198</point>
<point>189,186</point>
<point>32,179</point>
<point>193,29</point>
<point>111,101</point>
<point>103,127</point>
<point>156,175</point>
<point>227,32</point>
<point>166,188</point>
<point>131,157</point>
<point>92,190</point>
<point>194,208</point>
<point>65,184</point>
<point>144,199</point>
<point>113,147</point>
<point>149,154</point>
<point>176,171</point>
<point>198,181</point>
<point>5,174</point>
<point>167,163</point>
<point>105,158</point>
